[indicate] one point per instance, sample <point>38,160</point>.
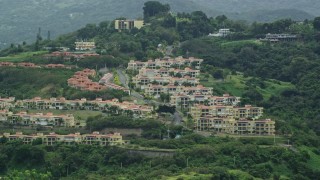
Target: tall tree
<point>316,23</point>
<point>153,8</point>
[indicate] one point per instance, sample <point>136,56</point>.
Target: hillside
<point>281,77</point>
<point>20,20</point>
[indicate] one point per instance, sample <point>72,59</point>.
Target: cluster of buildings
<point>166,63</point>
<point>48,119</point>
<point>81,80</point>
<point>32,65</point>
<point>23,64</point>
<point>179,79</point>
<point>230,119</point>
<point>113,106</point>
<point>51,139</point>
<point>168,76</point>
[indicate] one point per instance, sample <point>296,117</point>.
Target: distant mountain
<point>271,15</point>
<point>20,19</point>
<point>239,6</point>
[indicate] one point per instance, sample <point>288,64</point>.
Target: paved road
<point>177,119</point>
<point>122,78</point>
<point>169,50</point>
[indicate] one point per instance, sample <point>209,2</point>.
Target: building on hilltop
<point>84,45</point>
<point>279,37</point>
<point>221,33</point>
<point>128,24</point>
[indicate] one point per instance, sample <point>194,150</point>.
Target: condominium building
<point>229,125</point>
<point>198,111</point>
<point>221,33</point>
<point>216,124</point>
<point>166,63</point>
<point>144,81</point>
<point>248,112</point>
<point>102,139</point>
<point>279,37</point>
<point>42,119</point>
<point>52,138</point>
<point>154,90</point>
<point>80,80</point>
<point>6,103</point>
<point>84,45</point>
<point>84,104</point>
<point>7,64</point>
<point>128,24</point>
<point>169,72</point>
<point>225,99</point>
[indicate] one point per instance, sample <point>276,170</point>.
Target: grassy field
<point>240,43</point>
<point>236,85</point>
<point>22,56</point>
<point>314,161</point>
<point>196,176</point>
<point>189,176</point>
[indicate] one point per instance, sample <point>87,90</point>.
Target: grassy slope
<point>236,85</point>
<point>31,82</point>
<point>21,56</point>
<point>314,161</point>
<point>195,176</point>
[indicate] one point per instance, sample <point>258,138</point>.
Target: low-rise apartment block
<point>48,119</point>
<point>144,81</point>
<point>169,72</point>
<point>84,104</point>
<point>7,64</point>
<point>154,90</point>
<point>229,125</point>
<point>6,103</point>
<point>80,80</point>
<point>128,24</point>
<point>167,63</point>
<point>52,138</point>
<point>84,45</point>
<point>248,111</point>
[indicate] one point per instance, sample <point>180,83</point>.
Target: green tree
<point>316,23</point>
<point>153,8</point>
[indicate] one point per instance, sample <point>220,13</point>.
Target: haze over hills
<point>20,19</point>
